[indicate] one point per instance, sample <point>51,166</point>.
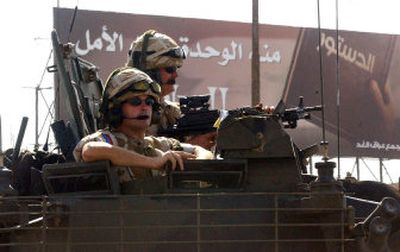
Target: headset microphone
<point>140,117</point>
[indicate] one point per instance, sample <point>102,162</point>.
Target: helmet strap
<point>143,55</point>
<point>155,75</point>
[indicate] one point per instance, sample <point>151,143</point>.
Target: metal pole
<point>255,60</point>
<point>358,167</point>
<point>1,138</point>
<point>198,222</point>
<point>381,169</point>
<point>37,117</point>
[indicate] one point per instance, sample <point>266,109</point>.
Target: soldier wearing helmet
<point>160,56</point>
<point>128,101</point>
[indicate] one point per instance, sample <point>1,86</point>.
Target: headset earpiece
<point>136,58</point>
<point>139,58</point>
<point>154,75</point>
<point>111,115</point>
<point>156,113</point>
<point>115,114</point>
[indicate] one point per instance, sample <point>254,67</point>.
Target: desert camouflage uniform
<point>169,114</point>
<point>145,147</point>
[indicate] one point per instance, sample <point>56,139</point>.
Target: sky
<point>26,46</point>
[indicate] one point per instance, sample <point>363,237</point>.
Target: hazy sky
<point>26,26</point>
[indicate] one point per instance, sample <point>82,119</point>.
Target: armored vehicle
<point>254,197</point>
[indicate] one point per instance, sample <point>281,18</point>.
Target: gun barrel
<point>21,134</point>
<point>313,108</point>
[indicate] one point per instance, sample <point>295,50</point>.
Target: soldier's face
<point>168,76</point>
<point>137,111</point>
<point>207,140</point>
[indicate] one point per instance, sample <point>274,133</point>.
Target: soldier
<point>128,101</point>
<point>160,56</point>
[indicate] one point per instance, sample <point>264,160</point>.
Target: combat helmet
<point>153,50</point>
<point>122,84</point>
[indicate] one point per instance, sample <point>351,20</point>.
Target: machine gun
<point>287,116</point>
<point>290,116</point>
<point>196,118</point>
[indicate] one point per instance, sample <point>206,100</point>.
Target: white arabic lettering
<point>226,54</point>
<point>377,145</point>
<point>212,91</point>
<point>98,43</point>
<point>347,53</point>
<point>276,56</point>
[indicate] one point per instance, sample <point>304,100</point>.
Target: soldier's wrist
<point>187,147</point>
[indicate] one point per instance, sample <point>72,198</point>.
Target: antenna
<point>255,59</point>
<point>324,143</point>
<point>1,138</point>
<point>38,90</point>
<point>71,26</point>
<point>337,87</point>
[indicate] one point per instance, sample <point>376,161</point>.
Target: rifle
<point>80,83</point>
<point>20,138</point>
<point>196,118</point>
<point>65,138</point>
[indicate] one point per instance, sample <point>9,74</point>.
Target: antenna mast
<point>255,60</point>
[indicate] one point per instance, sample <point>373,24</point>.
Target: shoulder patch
<point>107,138</point>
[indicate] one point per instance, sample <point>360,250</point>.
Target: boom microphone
<point>139,117</point>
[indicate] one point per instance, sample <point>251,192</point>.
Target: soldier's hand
<point>206,140</point>
<point>269,109</point>
<point>384,101</point>
<point>175,158</point>
<point>265,109</point>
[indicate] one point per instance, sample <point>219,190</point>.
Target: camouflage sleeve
<point>99,136</point>
<point>170,114</point>
<point>164,144</point>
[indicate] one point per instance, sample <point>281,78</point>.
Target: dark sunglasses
<point>136,101</point>
<point>170,70</point>
<point>177,53</point>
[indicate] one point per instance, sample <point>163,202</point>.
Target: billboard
<point>219,53</point>
<point>354,68</point>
